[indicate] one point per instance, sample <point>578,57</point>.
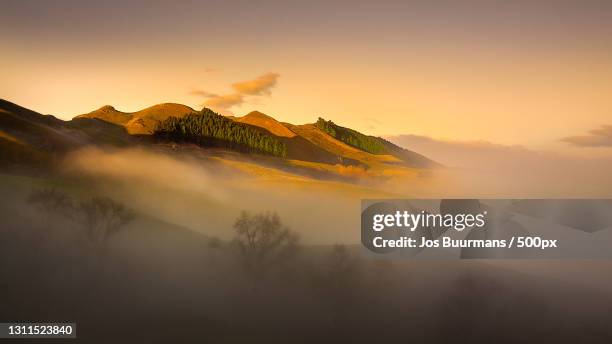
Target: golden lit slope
<point>108,113</point>
<point>142,122</point>
<point>330,144</point>
<point>261,120</point>
<point>297,147</point>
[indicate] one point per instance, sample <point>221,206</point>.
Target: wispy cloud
<point>601,137</point>
<point>260,86</point>
<point>202,93</point>
<point>224,102</point>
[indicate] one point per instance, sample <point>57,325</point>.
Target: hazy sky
<point>510,72</point>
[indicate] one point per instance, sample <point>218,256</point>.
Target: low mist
<point>161,275</point>
<point>206,195</point>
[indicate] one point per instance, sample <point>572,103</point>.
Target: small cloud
<point>202,93</point>
<point>259,86</point>
<point>224,102</point>
<point>601,137</point>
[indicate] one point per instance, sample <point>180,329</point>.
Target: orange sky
<point>529,73</point>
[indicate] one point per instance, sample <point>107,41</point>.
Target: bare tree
<point>263,242</point>
<point>97,218</point>
<point>102,217</point>
<point>51,202</point>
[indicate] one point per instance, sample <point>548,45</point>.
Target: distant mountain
<point>32,139</point>
<point>142,122</point>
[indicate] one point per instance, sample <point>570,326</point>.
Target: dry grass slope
<point>330,144</point>
<point>261,120</point>
<point>142,122</point>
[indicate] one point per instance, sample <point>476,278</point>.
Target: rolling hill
<point>142,122</point>
<point>298,147</point>
<point>32,139</point>
<point>264,121</point>
<point>372,144</point>
<point>323,140</point>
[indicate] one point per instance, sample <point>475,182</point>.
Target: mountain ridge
<point>24,132</point>
<point>142,122</point>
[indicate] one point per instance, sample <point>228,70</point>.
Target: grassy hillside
<point>261,120</point>
<point>351,137</point>
<point>36,142</point>
<point>29,139</point>
<point>328,144</point>
<point>109,114</point>
<point>373,144</point>
<point>321,139</point>
<point>35,130</point>
<point>143,122</point>
<point>47,133</point>
<point>14,156</point>
<point>298,147</point>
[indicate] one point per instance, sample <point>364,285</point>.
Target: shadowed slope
<point>30,128</point>
<point>31,139</point>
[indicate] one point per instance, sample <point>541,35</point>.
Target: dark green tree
<point>209,129</point>
<point>370,144</point>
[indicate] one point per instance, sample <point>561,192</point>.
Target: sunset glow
<point>528,73</point>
